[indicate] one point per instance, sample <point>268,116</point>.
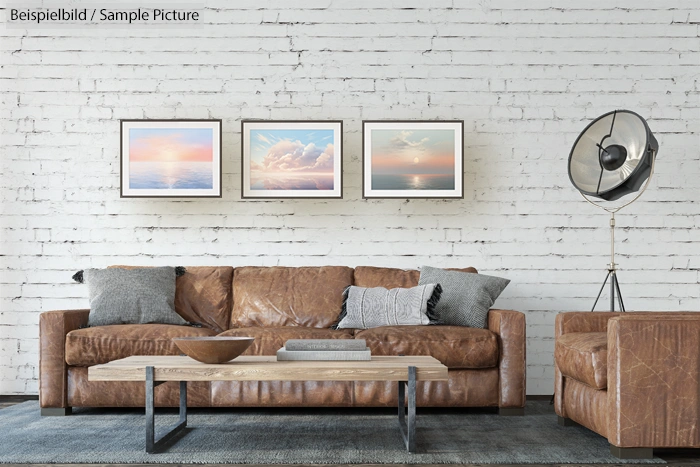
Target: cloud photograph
<point>291,159</point>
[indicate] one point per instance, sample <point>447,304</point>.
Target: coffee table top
<point>267,368</point>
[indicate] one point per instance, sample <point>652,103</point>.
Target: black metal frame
<point>407,415</point>
<point>153,444</point>
<point>408,427</point>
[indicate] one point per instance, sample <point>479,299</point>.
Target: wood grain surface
<point>267,368</point>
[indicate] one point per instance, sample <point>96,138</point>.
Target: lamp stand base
<point>614,289</point>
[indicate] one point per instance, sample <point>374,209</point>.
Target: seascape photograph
<point>413,160</point>
<point>171,158</point>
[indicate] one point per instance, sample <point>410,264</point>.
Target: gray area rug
<point>296,436</point>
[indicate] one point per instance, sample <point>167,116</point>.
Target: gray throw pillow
<point>131,296</point>
<point>366,308</point>
<point>466,297</point>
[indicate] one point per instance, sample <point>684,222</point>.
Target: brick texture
<point>526,77</point>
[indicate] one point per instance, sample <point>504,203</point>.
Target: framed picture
<point>170,158</point>
<point>292,159</point>
<point>412,159</point>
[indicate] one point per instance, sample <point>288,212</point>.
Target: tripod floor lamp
<point>613,157</point>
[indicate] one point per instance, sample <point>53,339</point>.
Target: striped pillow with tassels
<point>365,308</point>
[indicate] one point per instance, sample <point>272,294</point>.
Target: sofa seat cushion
<point>455,346</point>
<point>583,356</point>
<point>102,344</point>
<point>281,296</point>
<point>391,278</point>
<point>269,340</point>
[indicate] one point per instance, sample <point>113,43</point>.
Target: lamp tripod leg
<point>601,291</point>
<point>612,290</point>
<point>619,294</point>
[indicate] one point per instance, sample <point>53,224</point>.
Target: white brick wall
<point>525,76</point>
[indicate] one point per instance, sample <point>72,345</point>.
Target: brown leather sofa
<point>631,377</point>
<point>273,304</point>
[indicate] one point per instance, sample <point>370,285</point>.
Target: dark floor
<point>675,457</point>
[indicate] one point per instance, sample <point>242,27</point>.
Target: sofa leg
<point>565,421</point>
<point>55,412</point>
<point>510,411</point>
<point>632,453</point>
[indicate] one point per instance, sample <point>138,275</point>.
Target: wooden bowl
<point>213,349</point>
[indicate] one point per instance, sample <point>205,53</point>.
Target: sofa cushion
<point>390,278</point>
<point>269,340</point>
<point>281,296</point>
<point>583,356</point>
<point>203,295</point>
<point>102,344</point>
<point>455,346</point>
<point>466,297</point>
<point>366,308</point>
<point>131,296</point>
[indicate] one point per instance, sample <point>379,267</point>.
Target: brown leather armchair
<point>631,377</point>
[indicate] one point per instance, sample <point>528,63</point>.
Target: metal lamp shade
<point>613,155</point>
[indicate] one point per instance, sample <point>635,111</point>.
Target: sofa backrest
<point>283,296</point>
<point>220,298</point>
<point>390,278</point>
<point>203,295</point>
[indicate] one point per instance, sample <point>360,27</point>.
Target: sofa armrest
<point>510,328</point>
<point>53,327</point>
<point>654,380</point>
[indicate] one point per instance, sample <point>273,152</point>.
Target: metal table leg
<point>408,428</point>
<point>152,445</point>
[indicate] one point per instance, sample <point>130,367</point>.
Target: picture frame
<point>171,158</point>
<point>413,159</point>
<point>291,159</point>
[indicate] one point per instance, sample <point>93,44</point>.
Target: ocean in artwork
<point>178,175</point>
<point>171,158</point>
<point>302,181</point>
<point>413,182</point>
<point>412,159</point>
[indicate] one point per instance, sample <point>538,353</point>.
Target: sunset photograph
<point>170,158</point>
<point>420,157</point>
<point>413,160</point>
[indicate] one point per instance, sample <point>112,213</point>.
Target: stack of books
<point>324,349</point>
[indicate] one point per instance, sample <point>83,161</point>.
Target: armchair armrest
<point>53,327</point>
<point>575,321</point>
<point>582,321</point>
<point>510,328</point>
<point>654,380</point>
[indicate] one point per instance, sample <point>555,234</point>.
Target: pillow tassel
<point>344,309</point>
<point>78,277</point>
<point>432,304</point>
<point>180,271</point>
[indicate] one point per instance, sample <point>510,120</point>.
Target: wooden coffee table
<point>157,370</point>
